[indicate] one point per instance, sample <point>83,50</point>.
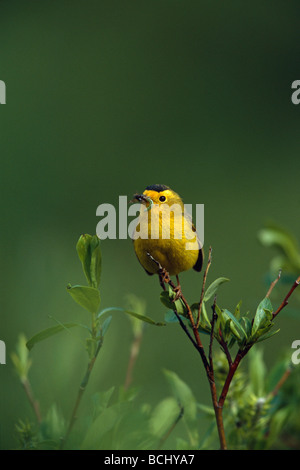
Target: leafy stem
<point>227,328</point>
<point>97,341</point>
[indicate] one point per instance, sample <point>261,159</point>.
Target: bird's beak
<point>139,198</point>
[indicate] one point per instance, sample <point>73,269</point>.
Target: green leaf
<point>206,409</point>
<point>136,304</point>
<point>204,323</point>
<point>237,311</point>
<point>232,342</point>
<point>279,419</point>
<point>84,254</point>
<point>204,326</point>
<point>183,394</point>
<point>92,345</point>
<point>180,307</point>
<point>170,317</point>
<point>164,416</point>
<point>87,297</point>
<point>236,327</point>
<point>96,261</point>
<point>89,252</point>
<point>267,335</point>
<point>263,315</point>
<point>209,437</point>
<point>104,423</point>
<point>277,236</point>
<point>212,289</point>
<point>109,309</point>
<point>257,371</point>
<point>44,334</point>
<point>101,400</point>
<point>226,330</point>
<point>53,425</point>
<point>133,314</point>
<point>105,325</point>
<point>20,358</point>
<point>247,325</point>
<point>204,316</point>
<point>167,298</point>
<point>144,318</point>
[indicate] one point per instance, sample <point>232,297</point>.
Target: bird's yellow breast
<point>168,237</point>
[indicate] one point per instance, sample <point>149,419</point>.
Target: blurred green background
<point>103,99</point>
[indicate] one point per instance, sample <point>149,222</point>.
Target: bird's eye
<point>162,198</point>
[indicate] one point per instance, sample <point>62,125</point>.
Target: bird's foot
<point>178,292</point>
<point>164,275</point>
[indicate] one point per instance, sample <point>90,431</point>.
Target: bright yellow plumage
<point>166,233</point>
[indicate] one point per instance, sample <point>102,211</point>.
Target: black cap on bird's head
<point>158,194</point>
<point>157,187</point>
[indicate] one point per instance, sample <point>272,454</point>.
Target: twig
<point>218,409</point>
<point>281,381</point>
<point>135,348</point>
<point>273,284</point>
<point>224,345</point>
<point>214,315</point>
<point>286,299</point>
<point>203,286</point>
<point>183,326</point>
<point>239,356</point>
<point>164,275</point>
<point>33,402</point>
<point>161,281</point>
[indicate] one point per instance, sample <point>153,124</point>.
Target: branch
<point>83,384</point>
<point>273,284</point>
<point>239,356</point>
<point>224,345</point>
<point>214,316</point>
<point>165,277</point>
<point>286,299</point>
<point>281,381</point>
<point>183,326</point>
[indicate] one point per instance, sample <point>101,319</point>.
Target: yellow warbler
<point>165,234</point>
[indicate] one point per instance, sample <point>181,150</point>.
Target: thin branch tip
<point>286,299</point>
<point>273,284</point>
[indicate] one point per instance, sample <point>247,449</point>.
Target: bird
<point>162,235</point>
